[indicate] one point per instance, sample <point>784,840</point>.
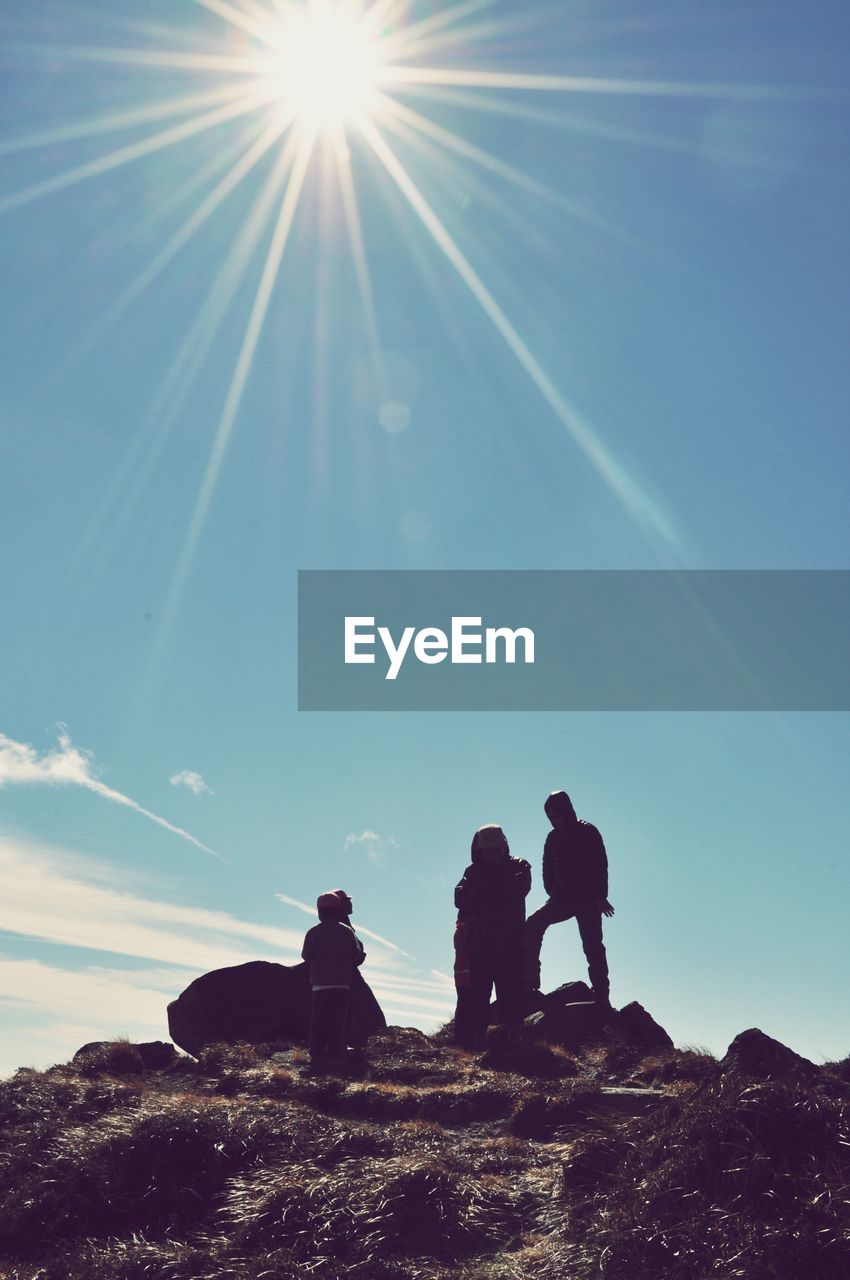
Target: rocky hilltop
<point>589,1148</point>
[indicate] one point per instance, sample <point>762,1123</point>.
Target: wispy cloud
<point>372,843</point>
<point>49,897</point>
<point>67,765</point>
<point>299,906</point>
<point>49,1012</point>
<point>444,979</point>
<point>97,995</point>
<point>56,897</point>
<point>52,896</point>
<point>365,837</point>
<point>193,781</point>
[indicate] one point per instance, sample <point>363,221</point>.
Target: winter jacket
<point>575,865</point>
<point>333,951</point>
<point>491,904</point>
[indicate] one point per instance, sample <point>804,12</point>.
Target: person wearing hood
<point>490,900</point>
<point>332,951</point>
<point>575,876</point>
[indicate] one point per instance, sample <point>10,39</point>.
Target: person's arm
<point>602,865</point>
<point>465,893</point>
<point>548,870</point>
<point>602,858</point>
<point>522,877</point>
<point>359,951</point>
<point>309,946</point>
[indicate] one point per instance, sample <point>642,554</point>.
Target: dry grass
<point>738,1180</point>
<point>424,1164</point>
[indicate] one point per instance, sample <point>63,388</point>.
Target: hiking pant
<point>589,919</point>
<point>472,1015</point>
<point>329,1021</point>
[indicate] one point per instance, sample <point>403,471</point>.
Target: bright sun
<point>328,65</point>
<point>323,69</point>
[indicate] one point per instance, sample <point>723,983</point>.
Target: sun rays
<point>303,79</point>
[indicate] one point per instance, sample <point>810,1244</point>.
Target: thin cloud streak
<point>367,933</point>
<point>60,904</point>
<point>60,899</point>
<point>21,765</point>
<point>48,899</point>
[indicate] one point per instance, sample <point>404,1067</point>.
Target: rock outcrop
<point>568,1016</point>
<point>753,1053</point>
<point>570,1025</point>
<point>260,1001</point>
<point>640,1028</point>
<point>149,1055</point>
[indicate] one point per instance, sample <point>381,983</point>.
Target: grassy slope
<point>424,1163</point>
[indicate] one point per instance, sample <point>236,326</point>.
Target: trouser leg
<point>463,1024</point>
<point>508,973</point>
<point>328,1021</point>
<point>590,929</point>
<point>463,977</point>
<point>552,912</point>
<point>339,1007</point>
<point>477,1004</point>
<point>318,1023</point>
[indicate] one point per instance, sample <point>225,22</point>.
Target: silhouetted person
<point>491,935</point>
<point>575,876</point>
<point>333,951</point>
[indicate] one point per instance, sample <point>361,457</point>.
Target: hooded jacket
<point>490,899</point>
<point>333,951</point>
<point>575,865</point>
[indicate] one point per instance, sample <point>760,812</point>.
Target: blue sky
<point>598,321</point>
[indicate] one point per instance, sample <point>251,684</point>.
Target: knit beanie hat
<point>328,902</point>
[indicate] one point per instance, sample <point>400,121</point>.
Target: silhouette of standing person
<point>575,876</point>
<point>333,952</point>
<point>490,899</point>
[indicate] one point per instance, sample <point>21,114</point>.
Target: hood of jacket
<point>559,805</point>
<point>490,846</point>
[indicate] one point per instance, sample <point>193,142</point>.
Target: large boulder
<point>260,1001</point>
<point>569,1017</point>
<point>568,993</point>
<point>537,1002</point>
<point>570,1025</point>
<point>753,1053</point>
